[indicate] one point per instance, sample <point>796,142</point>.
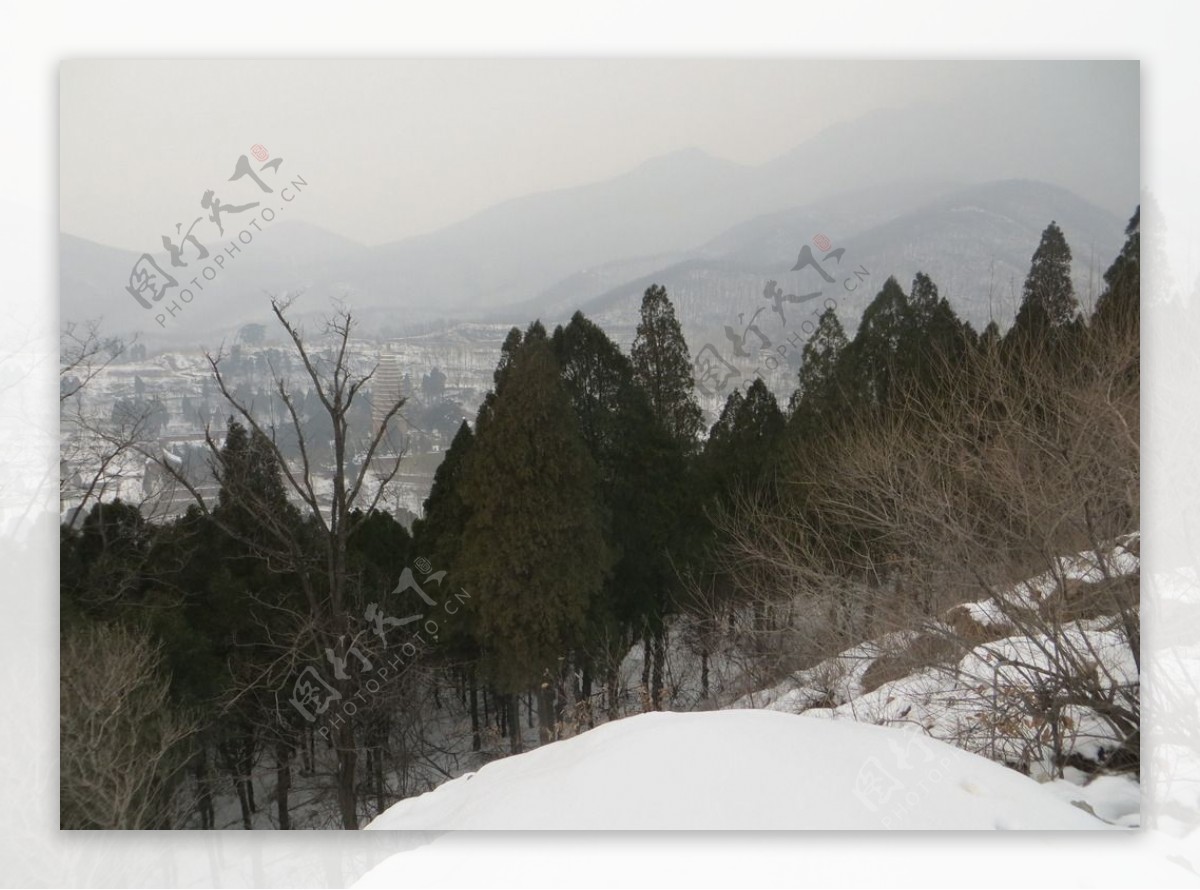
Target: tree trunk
<point>546,721</point>
<point>380,788</point>
<point>379,734</point>
<point>204,790</point>
<point>612,686</point>
<point>347,758</point>
<point>586,694</point>
<point>283,782</point>
<point>239,787</point>
<point>476,740</point>
<point>656,680</point>
<point>563,693</point>
<point>646,658</point>
<point>514,722</point>
<point>704,672</point>
<point>247,770</point>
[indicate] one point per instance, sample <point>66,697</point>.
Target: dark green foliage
<point>823,376</point>
<point>663,367</point>
<point>903,345</point>
<point>533,550</point>
<point>875,353</point>
<point>599,380</point>
<point>378,550</point>
<point>438,535</point>
<point>1120,304</point>
<point>743,443</point>
<point>641,469</point>
<point>250,481</point>
<point>1048,301</point>
<point>990,336</point>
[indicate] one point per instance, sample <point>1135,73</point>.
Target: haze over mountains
<point>901,190</point>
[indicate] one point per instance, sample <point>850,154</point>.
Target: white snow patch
<point>739,769</point>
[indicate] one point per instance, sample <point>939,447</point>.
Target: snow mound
<point>739,769</point>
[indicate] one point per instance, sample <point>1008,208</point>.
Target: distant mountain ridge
<point>975,242</point>
<point>555,250</point>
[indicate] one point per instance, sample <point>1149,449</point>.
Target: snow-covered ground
<point>980,701</point>
<point>741,769</point>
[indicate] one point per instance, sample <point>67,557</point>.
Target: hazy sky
<point>392,149</point>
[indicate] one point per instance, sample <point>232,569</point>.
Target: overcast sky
<point>393,149</point>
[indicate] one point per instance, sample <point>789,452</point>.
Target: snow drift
<point>740,769</point>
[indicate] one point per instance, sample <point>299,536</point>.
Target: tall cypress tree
<point>663,368</point>
<point>437,535</point>
<point>642,481</point>
<point>935,337</point>
<point>742,443</point>
<point>1120,304</point>
<point>872,355</point>
<point>821,391</point>
<point>1048,301</point>
<point>244,595</point>
<point>533,549</point>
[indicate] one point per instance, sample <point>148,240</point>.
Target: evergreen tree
<point>872,355</point>
<point>723,428</point>
<point>250,483</point>
<point>379,549</point>
<point>533,549</point>
<point>903,344</point>
<point>508,352</point>
<point>990,336</point>
<point>1049,300</point>
<point>738,460</point>
<point>1120,304</point>
<point>822,370</point>
<point>642,484</point>
<point>250,604</point>
<point>599,380</point>
<point>663,368</point>
<point>935,339</point>
<point>742,443</point>
<point>437,535</point>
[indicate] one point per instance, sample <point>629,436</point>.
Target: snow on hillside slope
<point>739,769</point>
<point>975,701</point>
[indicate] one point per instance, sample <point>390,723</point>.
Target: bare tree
<point>318,561</point>
<point>97,446</point>
<point>122,746</point>
<point>1017,461</point>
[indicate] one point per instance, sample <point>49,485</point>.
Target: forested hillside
<point>286,653</point>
